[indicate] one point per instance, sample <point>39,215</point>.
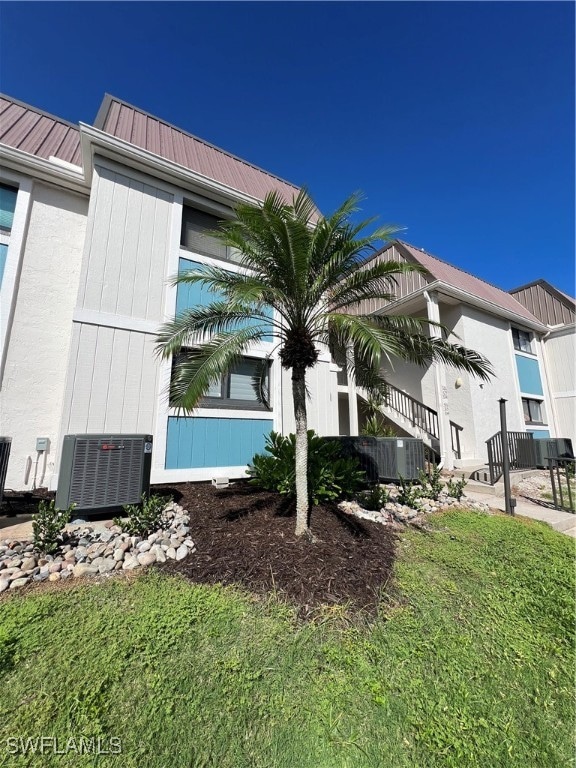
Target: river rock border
<point>86,552</point>
<point>393,512</point>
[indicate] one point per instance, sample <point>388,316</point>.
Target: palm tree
<point>306,269</point>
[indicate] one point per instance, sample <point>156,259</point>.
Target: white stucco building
<point>96,219</point>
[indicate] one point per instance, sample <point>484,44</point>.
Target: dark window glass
<point>196,236</point>
<point>522,340</point>
<point>237,389</point>
<point>532,411</point>
<point>7,206</point>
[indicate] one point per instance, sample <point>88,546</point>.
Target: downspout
<point>352,399</point>
<point>431,307</point>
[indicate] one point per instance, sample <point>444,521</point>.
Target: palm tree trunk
<point>299,397</point>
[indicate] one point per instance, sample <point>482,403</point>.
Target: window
<point>195,235</point>
<point>532,411</point>
<point>7,205</point>
<point>238,389</point>
<point>522,340</point>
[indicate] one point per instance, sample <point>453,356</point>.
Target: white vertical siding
<point>116,381</point>
<point>322,405</point>
<point>112,383</point>
<point>124,265</point>
<point>559,353</point>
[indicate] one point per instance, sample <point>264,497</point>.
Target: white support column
<point>442,407</point>
<point>352,399</point>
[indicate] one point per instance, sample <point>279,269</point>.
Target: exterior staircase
<point>416,419</point>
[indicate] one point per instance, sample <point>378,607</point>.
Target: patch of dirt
<point>245,536</point>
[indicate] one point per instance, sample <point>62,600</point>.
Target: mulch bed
<point>245,536</point>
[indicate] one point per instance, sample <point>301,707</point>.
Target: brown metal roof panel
<point>464,281</point>
<point>52,140</point>
<point>111,118</point>
<point>138,136</point>
<point>37,133</point>
<point>69,150</point>
<point>193,153</point>
<point>10,113</point>
<point>17,125</point>
<point>167,143</point>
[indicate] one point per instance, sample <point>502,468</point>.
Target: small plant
<point>375,499</point>
<point>48,525</point>
<point>376,427</point>
<point>330,475</point>
<point>145,518</point>
<point>455,488</point>
<point>410,493</point>
<point>432,486</point>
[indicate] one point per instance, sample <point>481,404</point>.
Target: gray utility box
<point>385,458</point>
<point>5,445</point>
<point>100,472</point>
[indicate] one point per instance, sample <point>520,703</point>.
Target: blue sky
<point>455,119</point>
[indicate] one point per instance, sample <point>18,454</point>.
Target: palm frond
<point>192,326</point>
<point>202,366</point>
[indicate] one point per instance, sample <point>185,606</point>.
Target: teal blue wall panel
<point>539,434</point>
<point>198,295</point>
<point>3,253</point>
<point>194,442</point>
<point>529,375</point>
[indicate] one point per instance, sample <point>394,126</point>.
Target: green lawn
<point>471,663</point>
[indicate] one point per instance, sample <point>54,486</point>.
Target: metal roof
<point>464,281</point>
<point>143,130</point>
<point>38,133</point>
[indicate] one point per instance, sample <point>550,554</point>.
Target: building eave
<point>466,298</point>
<point>94,141</point>
<point>53,171</point>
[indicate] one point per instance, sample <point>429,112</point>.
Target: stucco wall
<point>33,385</point>
<point>492,338</point>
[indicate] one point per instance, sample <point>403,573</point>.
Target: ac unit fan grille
<point>103,477</point>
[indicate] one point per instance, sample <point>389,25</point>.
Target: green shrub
<point>410,493</point>
<point>48,525</point>
<point>432,487</point>
<point>330,476</point>
<point>376,427</point>
<point>145,518</point>
<point>455,488</point>
<point>375,499</point>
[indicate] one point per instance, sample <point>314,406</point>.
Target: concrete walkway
<point>565,522</point>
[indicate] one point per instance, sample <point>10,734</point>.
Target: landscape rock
<point>146,558</point>
<point>181,552</point>
<point>84,569</point>
<point>20,582</point>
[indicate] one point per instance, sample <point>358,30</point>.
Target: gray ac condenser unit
<point>5,445</point>
<point>385,458</point>
<point>99,472</point>
<point>553,447</point>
